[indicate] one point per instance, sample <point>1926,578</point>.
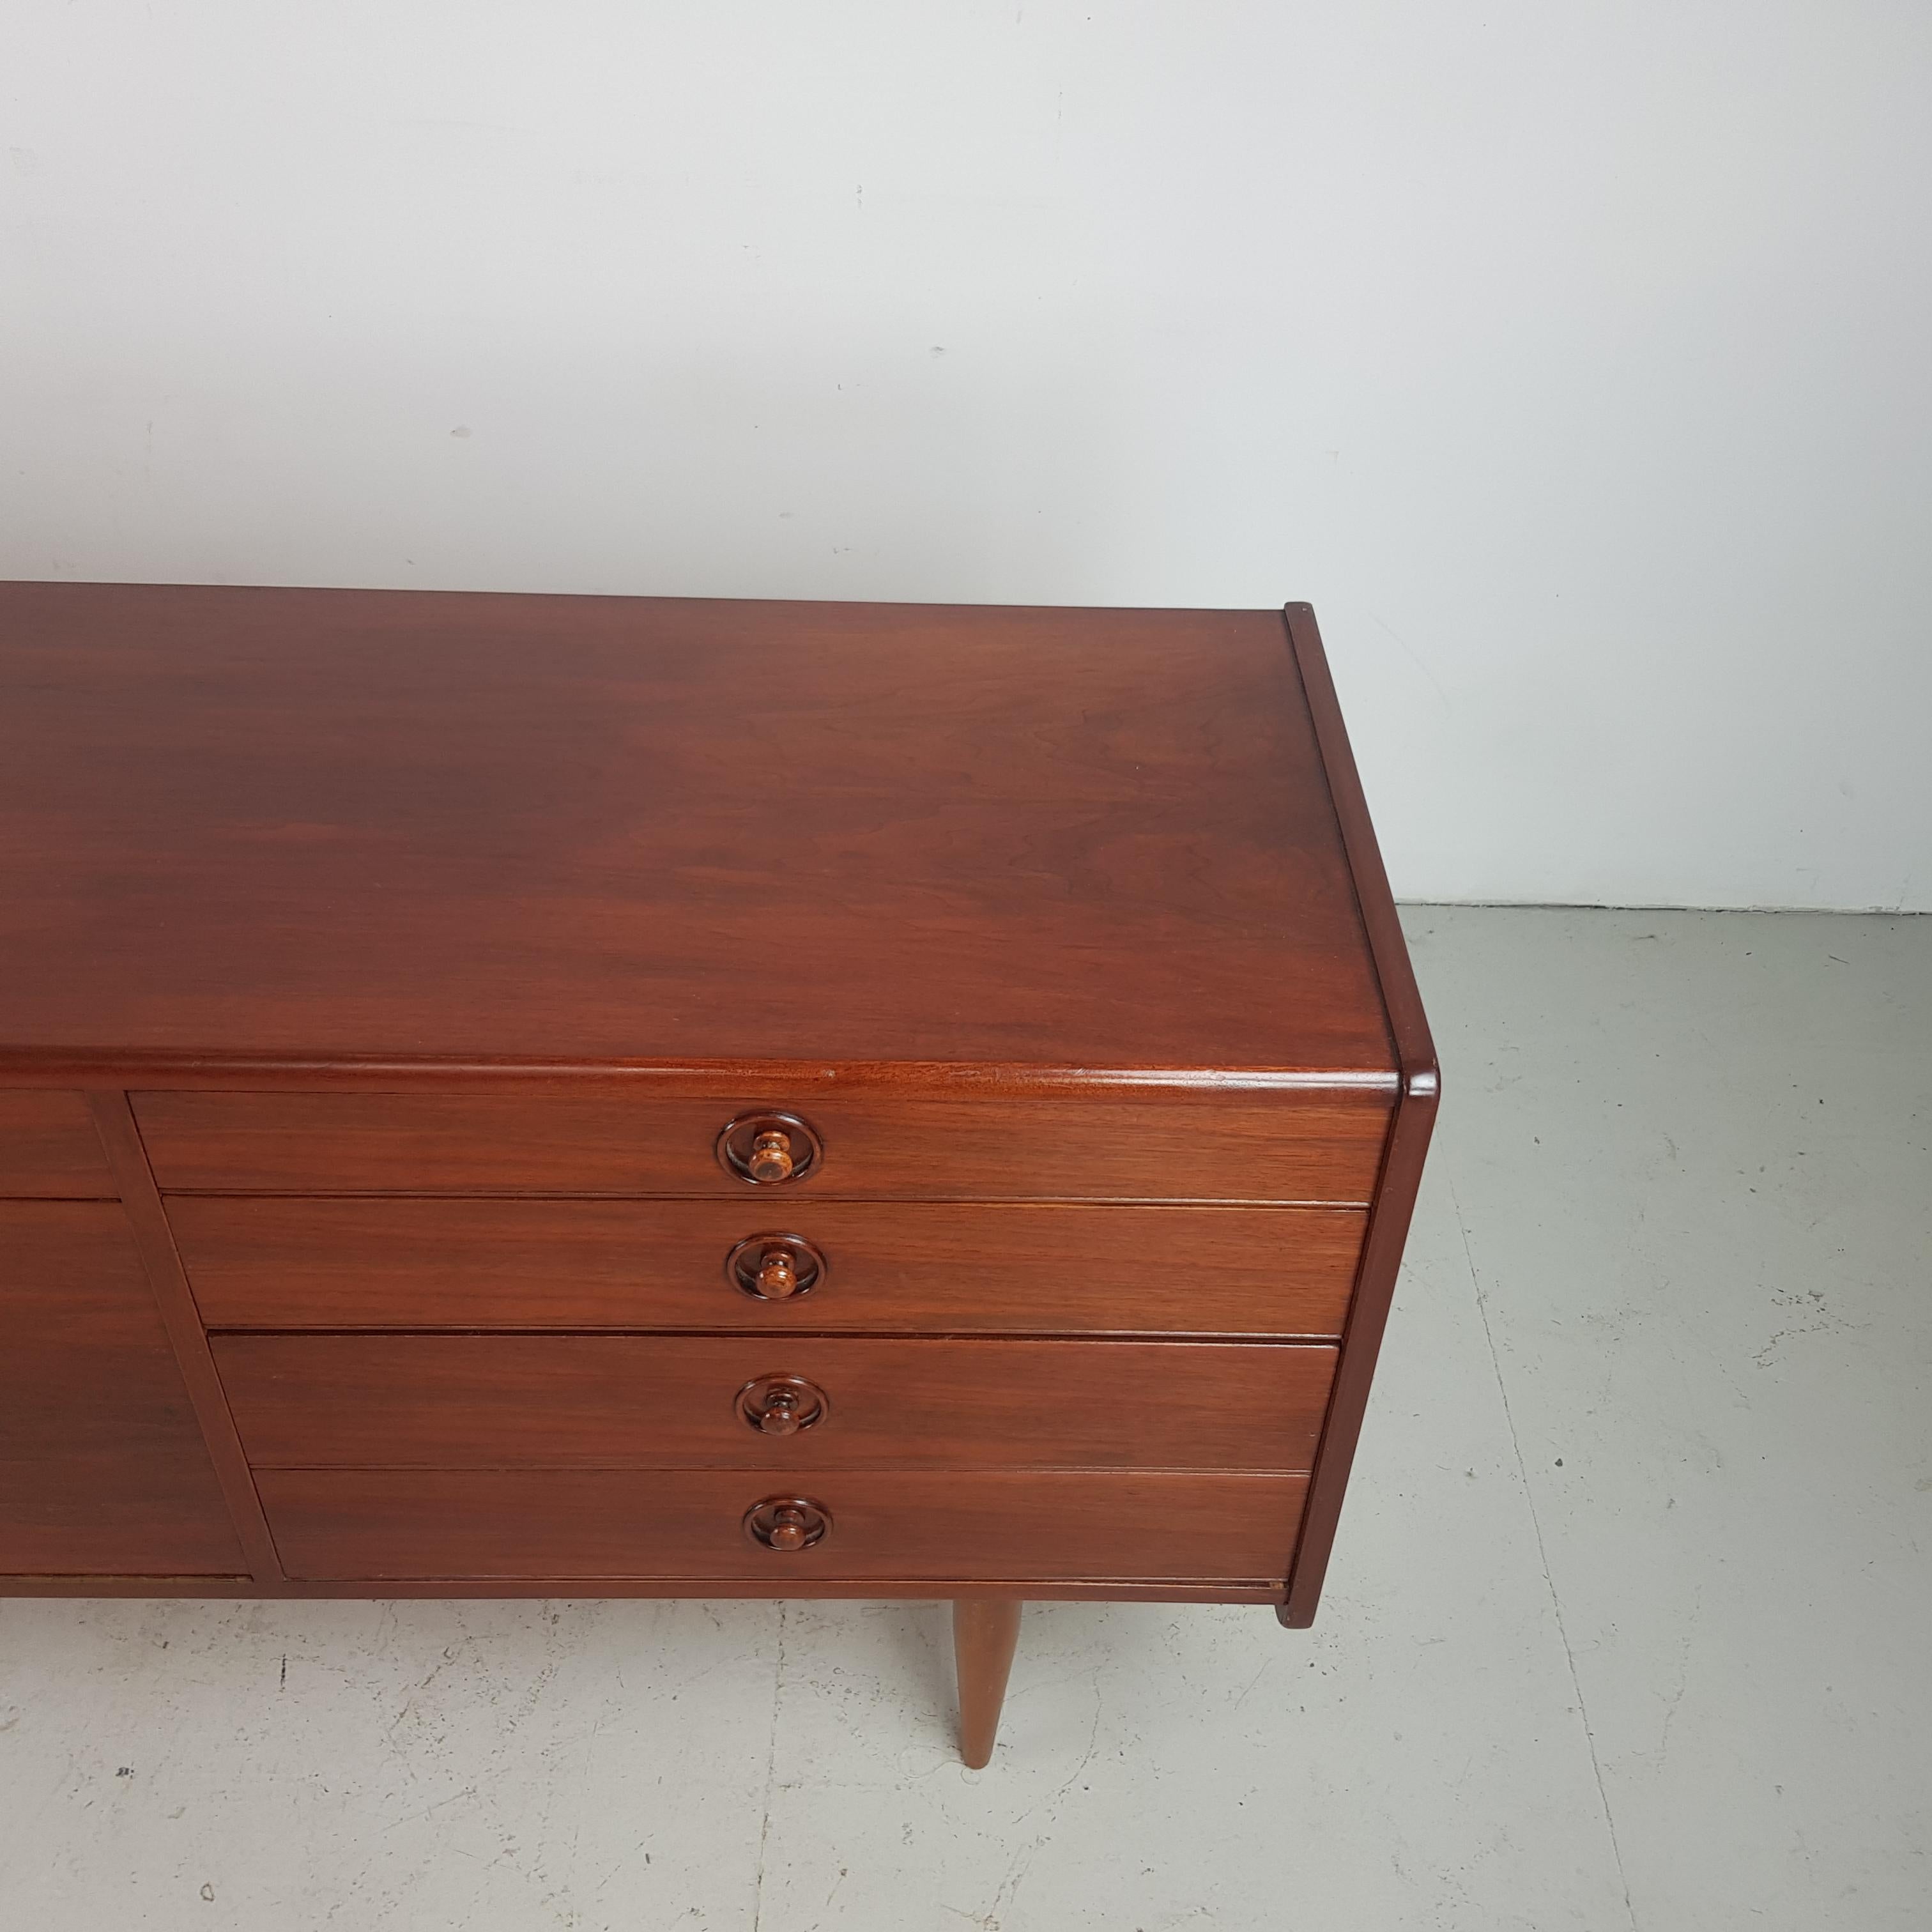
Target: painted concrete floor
<point>1627,1627</point>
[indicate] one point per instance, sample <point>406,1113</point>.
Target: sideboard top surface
<point>427,825</point>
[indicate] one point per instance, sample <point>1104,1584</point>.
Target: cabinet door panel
<point>102,1468</point>
<point>48,1149</point>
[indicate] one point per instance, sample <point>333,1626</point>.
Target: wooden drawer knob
<point>787,1523</point>
<point>768,1150</point>
<point>771,1156</point>
<point>782,1405</point>
<point>775,1267</point>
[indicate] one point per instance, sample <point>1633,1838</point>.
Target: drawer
<point>674,1402</point>
<point>49,1150</point>
<point>102,1467</point>
<point>939,1527</point>
<point>1319,1145</point>
<point>275,1261</point>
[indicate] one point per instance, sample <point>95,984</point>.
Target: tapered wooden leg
<point>986,1631</point>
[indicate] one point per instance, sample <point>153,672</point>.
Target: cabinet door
<point>102,1469</point>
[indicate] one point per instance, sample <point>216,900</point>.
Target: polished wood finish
<point>1401,1176</point>
<point>986,1633</point>
<point>769,1150</point>
<point>283,1263</point>
<point>101,1466</point>
<point>774,1267</point>
<point>782,1404</point>
<point>771,1158</point>
<point>785,1525</point>
<point>148,1221</point>
<point>1187,1145</point>
<point>815,1588</point>
<point>670,1401</point>
<point>49,1150</point>
<point>891,1527</point>
<point>438,825</point>
<point>486,1160</point>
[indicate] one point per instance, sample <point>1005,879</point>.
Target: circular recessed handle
<point>782,1405</point>
<point>768,1150</point>
<point>787,1523</point>
<point>775,1267</point>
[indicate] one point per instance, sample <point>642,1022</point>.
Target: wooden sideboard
<point>535,1096</point>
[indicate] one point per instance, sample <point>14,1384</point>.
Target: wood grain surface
<point>1400,1179</point>
<point>347,822</point>
<point>174,1302</point>
<point>414,948</point>
<point>559,1401</point>
<point>48,1149</point>
<point>101,1463</point>
<point>691,1583</point>
<point>583,1524</point>
<point>1118,1145</point>
<point>277,1262</point>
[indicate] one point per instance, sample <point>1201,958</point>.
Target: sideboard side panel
<point>1407,1142</point>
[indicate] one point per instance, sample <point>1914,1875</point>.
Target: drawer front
<point>1320,1146</point>
<point>102,1468</point>
<point>372,1524</point>
<point>673,1402</point>
<point>49,1150</point>
<point>271,1262</point>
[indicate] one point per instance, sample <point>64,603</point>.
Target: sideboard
<point>530,1096</point>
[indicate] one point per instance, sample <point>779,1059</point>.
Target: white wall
<point>1572,359</point>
